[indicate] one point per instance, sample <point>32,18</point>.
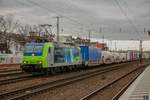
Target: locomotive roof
<point>34,43</point>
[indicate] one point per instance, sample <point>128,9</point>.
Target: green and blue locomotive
<point>50,57</point>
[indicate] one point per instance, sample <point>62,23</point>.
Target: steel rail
<point>13,70</point>
<point>11,73</point>
<point>38,88</point>
<point>94,92</point>
<point>15,79</point>
<point>117,96</point>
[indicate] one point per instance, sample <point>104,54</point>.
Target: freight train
<point>52,57</point>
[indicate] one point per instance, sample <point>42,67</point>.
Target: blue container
<point>94,54</point>
<point>84,53</point>
<point>90,53</point>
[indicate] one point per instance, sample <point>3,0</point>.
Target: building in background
<point>102,46</point>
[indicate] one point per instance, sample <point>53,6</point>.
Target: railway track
<point>15,79</point>
<point>38,88</point>
<point>116,97</point>
<point>10,73</point>
<point>5,71</point>
<point>9,67</point>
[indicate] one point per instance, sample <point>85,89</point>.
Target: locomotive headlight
<point>24,62</point>
<point>33,54</point>
<point>39,62</point>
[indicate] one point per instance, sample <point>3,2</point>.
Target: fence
<point>10,59</point>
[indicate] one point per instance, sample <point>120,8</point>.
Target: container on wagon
<point>90,55</point>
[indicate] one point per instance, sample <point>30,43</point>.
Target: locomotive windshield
<point>33,49</point>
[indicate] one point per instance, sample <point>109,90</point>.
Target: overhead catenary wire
<point>55,12</point>
<point>72,22</point>
<point>127,17</point>
<point>134,26</point>
<point>132,12</point>
<point>76,21</point>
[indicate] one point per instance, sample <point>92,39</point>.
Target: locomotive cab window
<point>33,48</point>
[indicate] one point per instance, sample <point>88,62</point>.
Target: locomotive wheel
<point>70,67</point>
<point>74,67</point>
<point>53,71</point>
<point>58,69</point>
<point>46,72</point>
<point>62,69</point>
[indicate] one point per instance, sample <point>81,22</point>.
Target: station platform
<point>140,88</point>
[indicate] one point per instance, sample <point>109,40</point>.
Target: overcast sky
<point>102,17</point>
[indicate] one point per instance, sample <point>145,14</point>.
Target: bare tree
<point>2,24</point>
<point>8,24</point>
<point>8,30</point>
<point>24,29</point>
<point>11,24</point>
